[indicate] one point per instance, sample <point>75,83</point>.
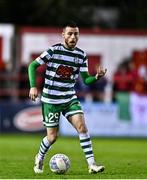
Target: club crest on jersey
<point>64,72</point>
<point>76,60</point>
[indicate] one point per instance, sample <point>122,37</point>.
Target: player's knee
<point>81,129</point>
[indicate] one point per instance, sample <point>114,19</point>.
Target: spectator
<point>123,84</point>
<point>23,83</point>
<point>98,90</point>
<point>123,79</point>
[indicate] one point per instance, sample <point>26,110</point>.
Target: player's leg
<point>78,122</point>
<point>51,121</point>
<point>47,142</point>
<point>75,116</point>
<point>44,147</point>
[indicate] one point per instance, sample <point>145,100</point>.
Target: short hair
<point>71,23</point>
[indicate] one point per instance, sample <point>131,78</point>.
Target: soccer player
<point>64,62</point>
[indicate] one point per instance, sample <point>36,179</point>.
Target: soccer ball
<point>59,163</point>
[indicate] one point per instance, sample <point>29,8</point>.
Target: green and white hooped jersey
<point>63,67</point>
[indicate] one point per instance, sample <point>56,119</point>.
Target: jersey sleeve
<point>87,78</point>
<point>45,56</point>
<point>32,73</point>
<point>84,66</point>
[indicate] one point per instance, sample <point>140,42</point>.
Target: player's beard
<point>70,45</point>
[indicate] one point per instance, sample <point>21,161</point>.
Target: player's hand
<point>33,94</point>
<point>100,72</point>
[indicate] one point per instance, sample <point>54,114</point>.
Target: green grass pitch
<point>123,158</point>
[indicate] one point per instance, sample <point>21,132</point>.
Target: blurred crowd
<point>130,76</point>
<point>130,88</point>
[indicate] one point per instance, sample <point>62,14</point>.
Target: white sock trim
<point>46,142</point>
<point>84,136</point>
<point>41,149</point>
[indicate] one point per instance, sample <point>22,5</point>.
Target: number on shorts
<point>53,117</point>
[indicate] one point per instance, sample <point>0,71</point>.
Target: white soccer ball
<point>59,163</point>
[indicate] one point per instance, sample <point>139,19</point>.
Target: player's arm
<point>42,59</point>
<point>88,79</point>
<point>33,93</point>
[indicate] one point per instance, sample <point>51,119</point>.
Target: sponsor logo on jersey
<point>64,72</point>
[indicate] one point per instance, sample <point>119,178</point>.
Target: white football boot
<point>38,167</point>
<point>95,168</point>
